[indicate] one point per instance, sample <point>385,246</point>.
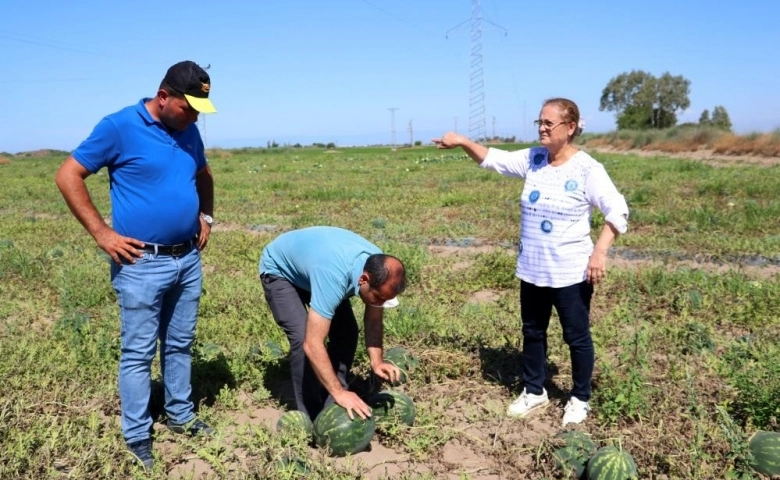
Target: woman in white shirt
<point>557,263</point>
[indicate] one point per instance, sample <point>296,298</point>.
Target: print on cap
<point>547,226</point>
<point>534,196</point>
<point>571,185</point>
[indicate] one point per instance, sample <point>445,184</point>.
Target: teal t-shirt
<point>326,261</point>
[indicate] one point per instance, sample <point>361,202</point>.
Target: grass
<point>687,358</point>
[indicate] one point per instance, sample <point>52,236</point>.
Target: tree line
<point>642,101</point>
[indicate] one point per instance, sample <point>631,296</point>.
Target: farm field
<point>686,324</point>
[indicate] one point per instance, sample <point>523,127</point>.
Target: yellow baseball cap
<point>191,80</point>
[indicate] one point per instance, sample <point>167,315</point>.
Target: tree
<point>720,118</point>
<point>704,119</point>
<point>646,101</point>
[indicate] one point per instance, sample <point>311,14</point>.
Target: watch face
<point>207,219</point>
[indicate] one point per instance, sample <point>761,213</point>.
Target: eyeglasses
<point>547,124</point>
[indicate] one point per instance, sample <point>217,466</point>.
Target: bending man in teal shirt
<point>322,268</point>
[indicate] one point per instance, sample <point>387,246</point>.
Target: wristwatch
<point>207,219</point>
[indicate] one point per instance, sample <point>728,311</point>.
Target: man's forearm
<point>76,195</point>
<point>374,328</point>
<point>204,183</point>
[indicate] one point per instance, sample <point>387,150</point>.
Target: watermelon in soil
<point>392,406</point>
<point>611,463</point>
<point>765,447</point>
<point>334,429</point>
<point>573,455</point>
<point>295,420</point>
<point>404,360</point>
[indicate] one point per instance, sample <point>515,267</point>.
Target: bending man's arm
<point>374,328</point>
<point>317,328</point>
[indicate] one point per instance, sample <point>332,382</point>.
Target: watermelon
<point>765,448</point>
<point>404,360</point>
<point>268,351</point>
<point>295,421</point>
<point>573,456</point>
<point>611,463</point>
<point>392,407</point>
<point>334,429</point>
<point>293,467</point>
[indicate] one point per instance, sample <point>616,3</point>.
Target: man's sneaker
<point>142,451</point>
<point>193,427</point>
<point>527,403</point>
<point>575,411</point>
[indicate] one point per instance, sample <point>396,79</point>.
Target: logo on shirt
<point>538,158</point>
<point>547,226</point>
<point>571,185</point>
<point>534,196</point>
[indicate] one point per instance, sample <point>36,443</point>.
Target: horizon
<point>363,72</point>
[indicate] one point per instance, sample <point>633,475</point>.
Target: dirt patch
<point>705,155</point>
<point>766,271</point>
<point>484,296</point>
<point>256,229</point>
<point>4,160</point>
<point>622,258</point>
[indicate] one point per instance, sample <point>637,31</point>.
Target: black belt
<point>173,250</point>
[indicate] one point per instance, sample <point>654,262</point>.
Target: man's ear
<point>163,96</point>
<point>364,278</point>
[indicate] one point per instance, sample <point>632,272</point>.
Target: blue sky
<point>296,71</point>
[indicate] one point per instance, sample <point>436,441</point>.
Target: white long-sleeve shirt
<point>556,204</point>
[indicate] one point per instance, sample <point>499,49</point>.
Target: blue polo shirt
<point>326,261</point>
<point>151,172</point>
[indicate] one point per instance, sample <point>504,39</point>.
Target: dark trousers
<point>288,305</point>
<point>573,306</point>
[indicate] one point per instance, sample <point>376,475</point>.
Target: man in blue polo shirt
<point>162,199</point>
<point>322,268</point>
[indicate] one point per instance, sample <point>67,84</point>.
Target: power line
<point>57,45</point>
<point>402,20</point>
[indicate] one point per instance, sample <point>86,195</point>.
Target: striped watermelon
<point>293,467</point>
<point>611,463</point>
<point>334,429</point>
<point>295,421</point>
<point>403,359</point>
<point>573,456</point>
<point>765,447</point>
<point>392,407</point>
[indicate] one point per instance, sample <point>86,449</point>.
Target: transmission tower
<point>392,126</point>
<point>202,122</point>
<point>476,77</point>
<point>411,134</point>
<point>477,122</point>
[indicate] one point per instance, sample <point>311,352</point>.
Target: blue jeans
<point>158,300</point>
<point>573,306</point>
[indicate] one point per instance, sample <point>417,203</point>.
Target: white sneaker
<point>527,403</point>
<point>575,411</point>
